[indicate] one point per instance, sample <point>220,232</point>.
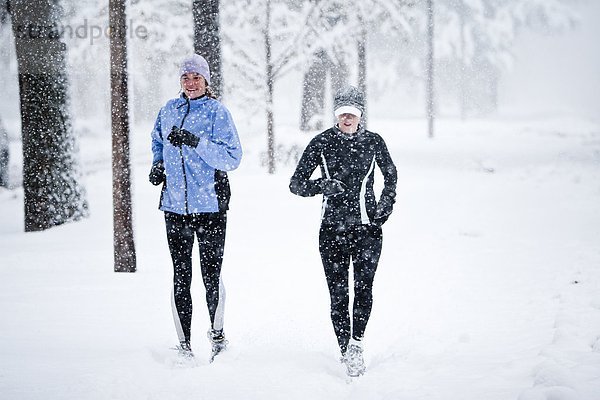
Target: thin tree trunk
<point>339,77</point>
<point>124,247</point>
<point>430,70</point>
<point>462,90</point>
<point>53,194</point>
<point>4,154</point>
<point>314,88</point>
<point>494,89</point>
<point>207,40</point>
<point>270,82</point>
<point>313,93</point>
<point>362,66</point>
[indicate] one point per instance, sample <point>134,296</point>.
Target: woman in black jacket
<point>351,218</point>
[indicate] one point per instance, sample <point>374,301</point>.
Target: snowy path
<point>488,287</point>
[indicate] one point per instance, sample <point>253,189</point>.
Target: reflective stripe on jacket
<point>350,159</point>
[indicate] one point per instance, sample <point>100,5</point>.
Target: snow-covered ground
<point>488,285</point>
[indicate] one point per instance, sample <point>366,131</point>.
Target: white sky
<point>552,75</point>
<point>557,73</point>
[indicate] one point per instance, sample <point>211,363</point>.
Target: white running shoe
<point>217,342</point>
<point>184,349</point>
<point>353,358</point>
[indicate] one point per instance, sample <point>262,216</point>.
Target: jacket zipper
<point>185,188</point>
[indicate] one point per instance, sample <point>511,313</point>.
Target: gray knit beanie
<point>349,100</point>
<point>195,63</point>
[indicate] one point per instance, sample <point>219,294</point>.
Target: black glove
<point>157,173</point>
<point>331,187</point>
<point>382,212</point>
<point>179,137</point>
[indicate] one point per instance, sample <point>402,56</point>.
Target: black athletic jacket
<point>350,159</point>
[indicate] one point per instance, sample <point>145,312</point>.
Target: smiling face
<point>348,123</point>
<point>193,85</point>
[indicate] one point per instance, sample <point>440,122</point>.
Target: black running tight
<point>362,245</point>
<point>209,228</point>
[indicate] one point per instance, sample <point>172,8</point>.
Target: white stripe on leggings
<point>220,311</point>
<point>176,319</point>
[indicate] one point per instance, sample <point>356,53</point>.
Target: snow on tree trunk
<point>313,93</point>
<point>52,190</point>
<point>313,90</point>
<point>124,247</point>
<point>4,155</point>
<point>207,40</point>
<point>462,89</point>
<point>362,64</point>
<point>430,70</point>
<point>270,83</point>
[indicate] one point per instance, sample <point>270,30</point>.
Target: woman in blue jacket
<point>194,143</point>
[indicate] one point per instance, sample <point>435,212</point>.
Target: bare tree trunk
<point>362,66</point>
<point>462,90</point>
<point>270,83</point>
<point>207,40</point>
<point>4,4</point>
<point>430,70</point>
<point>124,247</point>
<point>313,89</point>
<point>53,194</point>
<point>4,154</point>
<point>313,93</point>
<point>494,90</point>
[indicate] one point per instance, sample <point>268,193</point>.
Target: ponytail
<point>210,93</point>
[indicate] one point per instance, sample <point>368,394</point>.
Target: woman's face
<point>348,123</point>
<point>193,85</point>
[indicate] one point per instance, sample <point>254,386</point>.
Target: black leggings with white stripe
<point>210,229</point>
<point>362,245</point>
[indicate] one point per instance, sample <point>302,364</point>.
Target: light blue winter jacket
<point>190,172</point>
